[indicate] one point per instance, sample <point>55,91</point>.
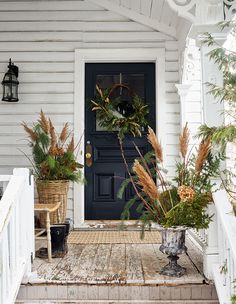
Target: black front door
<point>105,171</point>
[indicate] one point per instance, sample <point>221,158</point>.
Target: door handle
<point>88,154</point>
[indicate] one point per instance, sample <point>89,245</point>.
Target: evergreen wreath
<point>131,119</point>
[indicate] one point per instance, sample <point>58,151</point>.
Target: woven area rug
<point>113,237</point>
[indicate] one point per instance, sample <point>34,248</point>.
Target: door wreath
<point>126,116</point>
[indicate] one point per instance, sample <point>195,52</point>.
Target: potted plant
<point>175,204</point>
<point>54,162</point>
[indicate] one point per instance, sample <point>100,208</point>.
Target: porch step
<point>138,294</point>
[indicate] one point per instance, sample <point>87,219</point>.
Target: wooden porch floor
<point>121,264</point>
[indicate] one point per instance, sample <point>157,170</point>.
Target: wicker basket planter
<point>53,192</point>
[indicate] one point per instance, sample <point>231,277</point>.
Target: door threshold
<point>113,224</point>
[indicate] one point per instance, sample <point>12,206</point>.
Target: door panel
<point>106,171</point>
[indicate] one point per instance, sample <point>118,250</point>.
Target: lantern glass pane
<point>8,93</point>
<point>14,90</point>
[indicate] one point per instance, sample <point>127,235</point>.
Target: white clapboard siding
<point>82,36</point>
<point>16,118</point>
<point>70,46</point>
<point>125,26</point>
<point>39,67</point>
<point>44,77</point>
<point>50,6</point>
<point>60,15</point>
<point>52,87</point>
<point>44,97</point>
<point>8,109</point>
<point>41,37</point>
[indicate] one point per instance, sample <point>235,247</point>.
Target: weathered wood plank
<point>151,263</point>
<point>134,264</point>
<point>46,269</point>
<point>195,255</point>
<point>84,265</point>
<point>63,269</point>
<point>116,270</point>
<point>100,266</point>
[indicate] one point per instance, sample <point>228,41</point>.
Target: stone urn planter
<point>173,244</point>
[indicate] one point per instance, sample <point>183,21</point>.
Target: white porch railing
<point>218,244</point>
<point>224,271</point>
<point>16,232</point>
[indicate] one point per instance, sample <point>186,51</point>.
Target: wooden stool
<point>47,208</point>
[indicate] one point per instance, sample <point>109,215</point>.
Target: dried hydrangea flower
<point>186,193</point>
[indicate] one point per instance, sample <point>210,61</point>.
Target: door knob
<point>88,154</point>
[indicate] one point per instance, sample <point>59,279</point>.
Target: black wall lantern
<point>10,83</point>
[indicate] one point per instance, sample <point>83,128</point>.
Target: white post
<point>210,251</point>
<point>212,114</point>
<point>28,207</point>
<point>183,90</point>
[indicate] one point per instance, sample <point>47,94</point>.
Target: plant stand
<point>173,244</point>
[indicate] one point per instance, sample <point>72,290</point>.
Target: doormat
<point>113,237</point>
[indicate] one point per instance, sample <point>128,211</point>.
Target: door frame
<point>83,56</point>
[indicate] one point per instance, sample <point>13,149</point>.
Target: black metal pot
<point>173,244</point>
<point>59,235</point>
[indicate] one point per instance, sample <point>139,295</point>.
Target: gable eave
<point>137,17</point>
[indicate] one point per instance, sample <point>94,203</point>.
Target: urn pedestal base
<point>173,244</point>
<point>173,269</point>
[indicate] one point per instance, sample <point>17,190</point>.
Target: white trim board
<point>84,56</point>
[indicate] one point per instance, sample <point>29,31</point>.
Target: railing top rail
<point>226,216</point>
<point>9,197</point>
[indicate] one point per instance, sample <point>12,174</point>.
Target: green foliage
<point>110,118</point>
<point>200,181</point>
<point>226,61</point>
<point>220,135</point>
<point>233,299</point>
<point>170,207</point>
<point>54,157</point>
<point>190,214</point>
